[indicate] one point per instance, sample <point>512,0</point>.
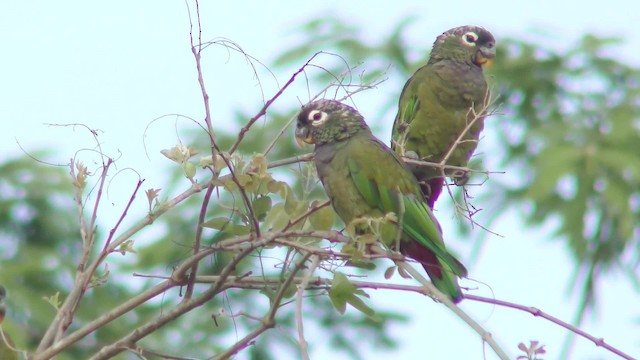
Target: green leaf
<point>259,164</point>
<point>275,186</point>
<point>343,292</point>
<point>276,219</point>
<point>189,170</point>
<point>290,291</point>
<point>367,265</point>
<point>127,247</point>
<point>341,289</point>
<point>565,159</point>
<point>243,179</point>
<point>219,223</point>
<point>53,300</point>
<point>360,305</point>
<point>227,226</point>
<point>261,206</point>
<point>322,219</point>
<point>240,229</point>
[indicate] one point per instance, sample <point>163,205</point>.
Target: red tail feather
<point>430,263</point>
<point>425,257</point>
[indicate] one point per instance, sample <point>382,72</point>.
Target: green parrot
<point>434,106</point>
<point>363,177</point>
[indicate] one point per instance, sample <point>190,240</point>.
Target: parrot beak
<point>485,56</point>
<point>303,136</point>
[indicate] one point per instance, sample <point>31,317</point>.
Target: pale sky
<point>118,65</point>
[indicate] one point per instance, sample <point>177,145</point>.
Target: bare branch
<point>243,193</point>
<point>171,314</point>
<point>302,286</point>
<point>102,320</point>
<point>122,216</point>
<point>263,111</point>
<point>476,116</point>
<point>198,238</point>
<point>269,321</point>
<point>438,295</point>
<point>539,313</point>
<point>64,315</point>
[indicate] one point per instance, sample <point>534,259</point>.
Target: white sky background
<point>118,65</point>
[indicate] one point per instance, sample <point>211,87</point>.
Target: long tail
<point>440,273</point>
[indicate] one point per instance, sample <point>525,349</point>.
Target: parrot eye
<point>470,38</point>
<point>317,117</point>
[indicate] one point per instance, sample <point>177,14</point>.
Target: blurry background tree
<point>571,136</point>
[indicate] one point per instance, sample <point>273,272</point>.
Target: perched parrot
<point>363,177</point>
<point>434,106</point>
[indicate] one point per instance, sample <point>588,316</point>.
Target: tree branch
<point>302,286</point>
<point>438,295</point>
<point>269,321</point>
<point>263,111</point>
<point>539,313</point>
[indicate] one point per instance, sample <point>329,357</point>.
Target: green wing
<point>408,107</point>
<point>386,184</point>
<point>428,234</point>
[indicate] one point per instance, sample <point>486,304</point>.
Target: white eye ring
<point>317,117</point>
<point>470,38</point>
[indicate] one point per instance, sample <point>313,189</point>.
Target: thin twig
<point>438,295</point>
<point>313,283</point>
<point>94,215</point>
<point>269,321</point>
<point>477,116</point>
<point>153,354</point>
<point>102,320</point>
<point>539,313</point>
<point>243,192</point>
<point>263,111</point>
<point>64,315</point>
<point>421,163</point>
<point>284,128</point>
<point>77,290</point>
<point>196,49</point>
<point>302,286</point>
<point>306,214</point>
<point>171,314</point>
<point>196,243</point>
<point>335,83</point>
<point>122,216</point>
<point>291,160</point>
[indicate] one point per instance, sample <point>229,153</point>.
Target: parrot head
<point>468,43</point>
<point>324,121</point>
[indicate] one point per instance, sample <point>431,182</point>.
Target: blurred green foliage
<point>573,131</point>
